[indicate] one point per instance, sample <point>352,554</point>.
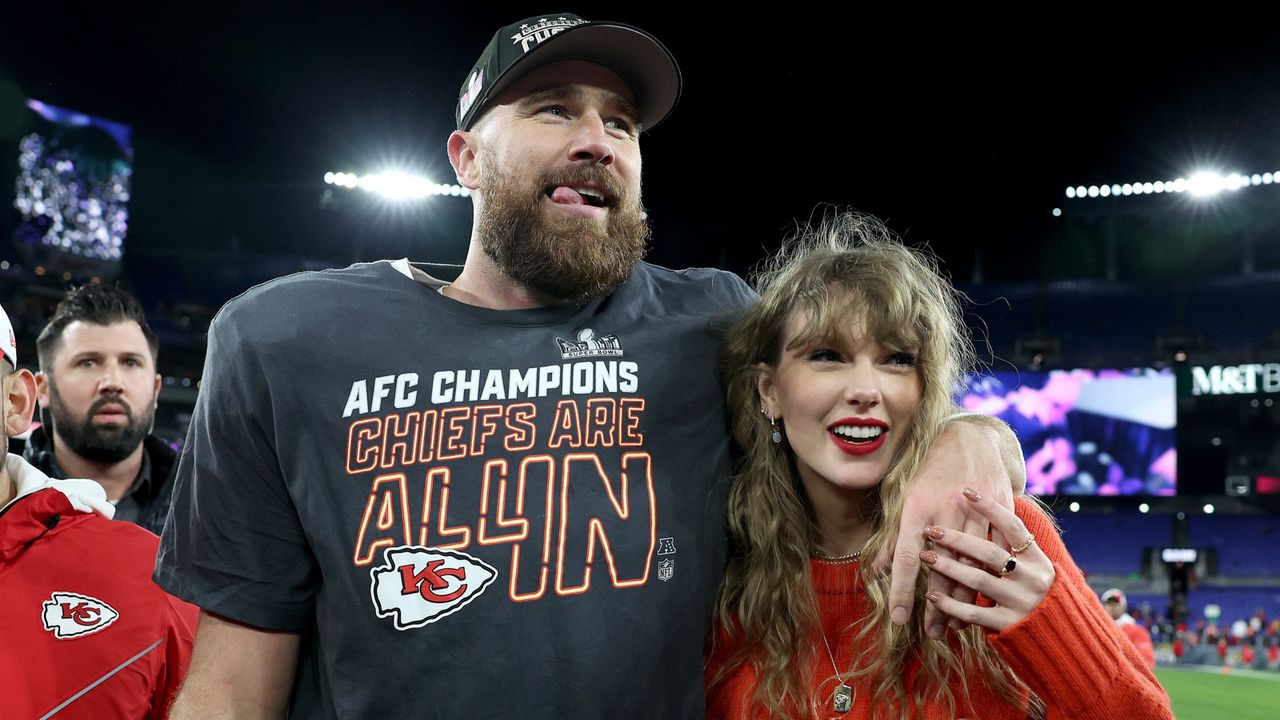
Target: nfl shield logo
<point>666,567</point>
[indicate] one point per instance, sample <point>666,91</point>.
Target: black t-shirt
<point>467,512</point>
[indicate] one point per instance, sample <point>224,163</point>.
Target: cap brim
<point>643,63</point>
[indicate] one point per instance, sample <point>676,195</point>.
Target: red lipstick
<point>858,447</point>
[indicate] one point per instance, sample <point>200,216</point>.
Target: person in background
<point>84,632</point>
<point>98,388</point>
<point>1117,606</point>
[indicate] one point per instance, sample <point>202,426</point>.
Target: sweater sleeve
<point>1070,652</point>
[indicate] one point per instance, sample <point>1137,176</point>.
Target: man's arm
<point>238,672</point>
<point>976,451</point>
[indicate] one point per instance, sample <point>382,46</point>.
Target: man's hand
<point>973,451</point>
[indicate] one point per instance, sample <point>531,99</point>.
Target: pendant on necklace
<point>842,701</point>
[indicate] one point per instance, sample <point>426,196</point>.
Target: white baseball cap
<point>1115,595</point>
<point>8,343</point>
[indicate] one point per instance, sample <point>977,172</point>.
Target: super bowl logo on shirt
<point>419,585</point>
<point>588,345</point>
<point>71,615</point>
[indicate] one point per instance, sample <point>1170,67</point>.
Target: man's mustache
<point>110,400</point>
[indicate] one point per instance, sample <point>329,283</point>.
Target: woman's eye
<point>904,359</point>
<point>824,355</point>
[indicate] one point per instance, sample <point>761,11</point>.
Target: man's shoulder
<point>87,539</point>
<point>315,299</point>
<point>722,288</point>
<point>106,561</point>
<point>111,537</point>
<point>301,287</point>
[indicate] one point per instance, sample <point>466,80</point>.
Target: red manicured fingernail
<point>929,556</point>
<point>933,596</point>
<point>972,495</point>
<point>934,532</point>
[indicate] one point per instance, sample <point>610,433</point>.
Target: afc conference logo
<point>71,615</point>
<point>420,585</point>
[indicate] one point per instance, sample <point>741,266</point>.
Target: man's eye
<point>557,110</point>
<point>87,362</point>
<point>620,124</point>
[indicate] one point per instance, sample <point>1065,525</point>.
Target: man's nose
<point>591,142</point>
<point>110,382</point>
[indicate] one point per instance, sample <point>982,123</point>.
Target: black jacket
<point>149,499</point>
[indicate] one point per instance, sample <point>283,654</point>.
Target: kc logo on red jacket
<point>419,585</point>
<point>71,615</point>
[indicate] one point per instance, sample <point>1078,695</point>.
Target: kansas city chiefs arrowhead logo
<point>71,615</point>
<point>419,585</point>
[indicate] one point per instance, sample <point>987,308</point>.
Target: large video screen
<point>72,189</point>
<point>1087,432</point>
<point>1229,428</point>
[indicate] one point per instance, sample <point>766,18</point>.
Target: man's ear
<point>462,156</point>
<point>42,388</point>
<point>768,391</point>
<point>20,391</point>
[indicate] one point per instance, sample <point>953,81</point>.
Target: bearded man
<point>498,497</point>
<point>98,388</point>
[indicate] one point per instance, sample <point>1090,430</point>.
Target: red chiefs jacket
<point>84,632</point>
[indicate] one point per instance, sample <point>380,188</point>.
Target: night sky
<point>960,129</point>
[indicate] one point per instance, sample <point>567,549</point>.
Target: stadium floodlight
<point>1074,507</point>
<point>1208,509</point>
<point>395,185</point>
<point>1144,508</point>
<point>1204,183</point>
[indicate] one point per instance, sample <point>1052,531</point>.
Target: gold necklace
<point>842,698</point>
<point>847,558</point>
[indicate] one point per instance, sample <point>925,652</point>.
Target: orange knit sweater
<point>1068,651</point>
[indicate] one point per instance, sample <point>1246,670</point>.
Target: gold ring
<point>1023,546</point>
<point>1009,566</point>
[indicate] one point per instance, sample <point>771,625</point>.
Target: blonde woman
<point>838,380</point>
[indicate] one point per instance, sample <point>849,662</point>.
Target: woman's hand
<point>1010,569</point>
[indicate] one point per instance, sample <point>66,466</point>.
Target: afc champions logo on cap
<point>530,36</point>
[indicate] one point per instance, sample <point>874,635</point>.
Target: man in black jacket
<point>98,387</point>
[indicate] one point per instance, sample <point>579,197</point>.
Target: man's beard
<point>564,257</point>
<point>98,443</point>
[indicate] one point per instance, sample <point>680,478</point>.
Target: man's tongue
<point>566,196</point>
